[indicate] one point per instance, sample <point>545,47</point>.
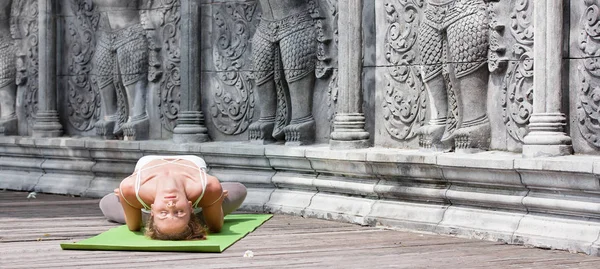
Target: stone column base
<point>532,151</point>
<point>353,144</point>
<point>190,128</point>
<point>47,125</point>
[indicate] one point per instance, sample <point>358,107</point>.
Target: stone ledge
<point>488,195</point>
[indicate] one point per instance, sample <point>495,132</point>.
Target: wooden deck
<point>32,229</point>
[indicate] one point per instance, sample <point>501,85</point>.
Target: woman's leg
<point>236,193</point>
<point>112,209</point>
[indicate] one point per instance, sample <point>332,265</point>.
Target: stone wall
<point>419,114</point>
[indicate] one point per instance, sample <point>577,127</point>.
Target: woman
<point>177,192</point>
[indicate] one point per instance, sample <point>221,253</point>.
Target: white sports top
<point>139,167</point>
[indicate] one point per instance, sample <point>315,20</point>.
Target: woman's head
<point>173,219</point>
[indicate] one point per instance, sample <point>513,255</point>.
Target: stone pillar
<point>349,123</point>
<point>47,122</point>
<point>547,136</point>
<point>190,123</point>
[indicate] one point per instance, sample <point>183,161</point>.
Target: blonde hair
<point>193,231</point>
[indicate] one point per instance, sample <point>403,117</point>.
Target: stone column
<point>190,123</point>
<point>47,122</point>
<point>349,123</point>
<point>547,136</point>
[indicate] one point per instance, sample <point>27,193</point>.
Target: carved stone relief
<point>284,60</point>
<point>120,66</point>
<point>405,98</point>
<point>8,115</point>
<point>24,27</point>
<point>453,38</point>
<point>83,98</point>
<point>325,13</point>
<point>588,94</point>
<point>517,63</point>
<point>233,101</point>
<point>163,17</point>
<point>437,74</point>
<point>118,54</point>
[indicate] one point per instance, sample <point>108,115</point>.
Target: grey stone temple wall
<point>475,118</point>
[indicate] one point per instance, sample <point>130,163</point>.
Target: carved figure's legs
<point>8,119</point>
<point>468,43</point>
<point>474,131</point>
<point>261,132</point>
<point>263,62</point>
<point>432,57</point>
<point>103,66</point>
<point>430,135</point>
<point>106,126</point>
<point>137,125</point>
<point>298,55</point>
<point>301,129</point>
<point>133,68</point>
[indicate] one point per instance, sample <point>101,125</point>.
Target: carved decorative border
<point>405,101</point>
<point>517,87</point>
<point>588,96</point>
<point>83,101</point>
<point>232,109</point>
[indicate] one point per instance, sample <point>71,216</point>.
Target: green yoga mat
<point>120,238</point>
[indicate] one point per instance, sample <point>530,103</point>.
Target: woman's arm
<point>133,215</point>
<point>212,208</point>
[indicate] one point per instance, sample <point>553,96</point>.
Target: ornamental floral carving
<point>405,102</point>
<point>233,101</point>
<point>165,59</point>
<point>325,13</point>
<point>83,98</point>
<point>588,93</point>
<point>24,26</point>
<point>517,87</point>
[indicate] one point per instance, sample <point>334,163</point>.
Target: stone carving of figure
<point>8,87</point>
<point>453,41</point>
<point>121,60</point>
<point>285,39</point>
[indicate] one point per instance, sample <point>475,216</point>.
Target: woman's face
<point>171,214</point>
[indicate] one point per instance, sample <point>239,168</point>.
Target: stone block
<point>62,183</point>
<point>382,155</point>
<point>68,166</point>
<point>289,201</point>
<point>288,158</point>
<point>567,164</point>
<point>489,197</point>
<point>484,160</point>
<point>246,176</point>
<point>404,215</point>
<point>95,144</point>
<point>165,147</point>
<point>19,180</point>
<point>114,168</point>
<point>483,224</point>
<point>566,181</point>
<point>339,208</point>
<point>480,176</point>
<point>102,185</point>
<point>355,186</point>
<point>575,235</point>
<point>406,189</point>
<point>257,199</point>
<point>566,204</point>
<point>295,181</point>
